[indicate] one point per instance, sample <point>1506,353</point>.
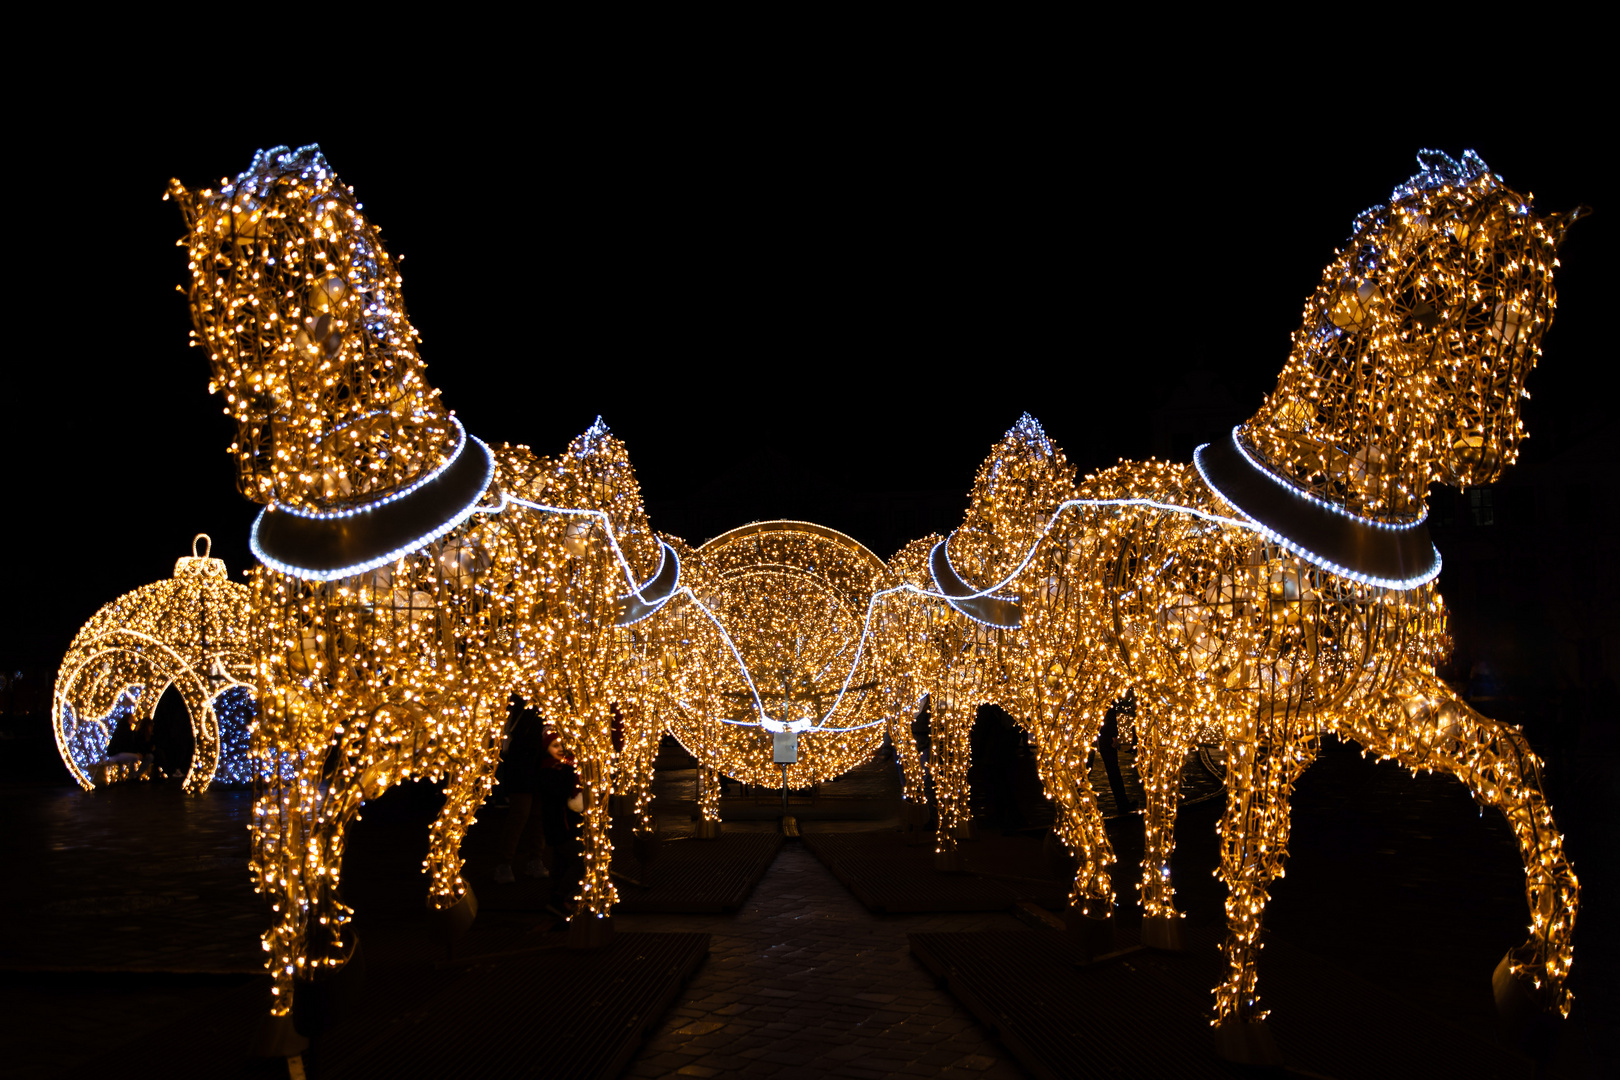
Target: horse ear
<point>1558,224</point>
<point>188,203</point>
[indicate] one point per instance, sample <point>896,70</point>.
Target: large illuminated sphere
<point>793,597</point>
<point>190,632</point>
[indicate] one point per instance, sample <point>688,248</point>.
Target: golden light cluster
<point>394,662</point>
<point>189,632</point>
<point>487,572</point>
<point>455,575</point>
<point>1278,588</point>
<point>792,598</point>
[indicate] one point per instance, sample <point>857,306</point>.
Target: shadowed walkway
<point>804,982</point>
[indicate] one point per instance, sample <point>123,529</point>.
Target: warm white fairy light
<point>375,672</point>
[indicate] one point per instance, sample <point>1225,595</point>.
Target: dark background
<point>828,307</point>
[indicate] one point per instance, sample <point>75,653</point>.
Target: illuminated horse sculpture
<point>1282,586</point>
<point>412,578</point>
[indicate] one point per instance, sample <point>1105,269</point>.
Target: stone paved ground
<point>804,982</point>
<point>1397,879</point>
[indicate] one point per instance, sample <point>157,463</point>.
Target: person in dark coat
<point>1108,747</point>
<point>520,780</point>
<point>562,805</point>
<point>133,743</point>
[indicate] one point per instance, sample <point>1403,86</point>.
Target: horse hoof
<point>1518,1002</point>
<point>1091,935</point>
<point>454,921</point>
<point>1246,1042</point>
<point>587,931</point>
<point>646,847</point>
<point>320,1002</point>
<point>276,1037</point>
<point>1163,932</point>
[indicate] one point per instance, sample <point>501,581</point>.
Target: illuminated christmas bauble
<point>190,632</point>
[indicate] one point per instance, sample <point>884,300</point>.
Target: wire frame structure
<point>412,577</point>
<point>792,599</point>
<point>1282,585</point>
<point>191,632</point>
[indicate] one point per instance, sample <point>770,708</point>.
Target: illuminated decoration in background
<point>1283,588</point>
<point>419,578</point>
<point>237,712</point>
<point>190,632</point>
<point>792,599</point>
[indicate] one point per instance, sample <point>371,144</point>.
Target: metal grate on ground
<point>887,875</point>
<point>696,876</point>
<point>1114,1019</point>
<point>1147,1013</point>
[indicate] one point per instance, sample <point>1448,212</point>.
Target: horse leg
<point>1263,759</point>
<point>592,925</point>
<point>951,719</point>
<point>640,769</point>
<point>1431,728</point>
<point>279,835</point>
<point>708,827</point>
<point>1079,820</point>
<point>913,781</point>
<point>642,765</point>
<point>1161,752</point>
<point>298,834</point>
<point>466,788</point>
<point>1080,826</point>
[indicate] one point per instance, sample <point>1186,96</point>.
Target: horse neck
<point>1364,449</point>
<point>1017,491</point>
<point>364,449</point>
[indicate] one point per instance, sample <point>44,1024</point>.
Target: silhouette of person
<point>1108,748</point>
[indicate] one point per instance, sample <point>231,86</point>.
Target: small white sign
<point>785,747</point>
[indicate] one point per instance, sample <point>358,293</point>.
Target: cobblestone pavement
<point>804,983</point>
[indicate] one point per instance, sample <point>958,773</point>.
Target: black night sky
<point>827,312</point>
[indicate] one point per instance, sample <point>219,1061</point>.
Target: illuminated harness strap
<point>994,611</point>
<point>1391,556</point>
<point>330,544</point>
